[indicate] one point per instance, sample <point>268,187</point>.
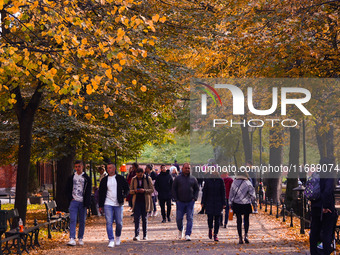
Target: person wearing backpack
<point>324,213</point>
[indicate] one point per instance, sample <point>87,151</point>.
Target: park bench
<point>5,245</point>
<point>22,241</point>
<point>56,220</point>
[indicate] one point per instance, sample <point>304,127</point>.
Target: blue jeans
<point>185,208</point>
<point>113,213</point>
<point>77,208</point>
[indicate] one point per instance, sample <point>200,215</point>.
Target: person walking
<point>132,173</point>
<point>324,214</point>
<point>185,192</point>
<point>141,189</point>
<point>163,185</point>
<point>153,175</point>
<point>112,191</point>
<point>242,194</point>
<point>78,191</point>
<point>227,184</point>
<point>213,198</point>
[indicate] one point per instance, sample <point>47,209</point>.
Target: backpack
<point>312,191</point>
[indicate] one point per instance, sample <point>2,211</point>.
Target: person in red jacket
<point>227,183</point>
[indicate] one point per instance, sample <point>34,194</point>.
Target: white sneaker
<point>180,234</point>
<point>72,242</point>
<point>81,242</point>
<point>187,238</point>
<point>145,238</point>
<point>136,238</point>
<point>155,214</point>
<point>111,244</point>
<point>117,240</point>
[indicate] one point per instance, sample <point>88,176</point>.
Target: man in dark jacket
<point>163,185</point>
<point>112,191</point>
<point>185,193</point>
<point>78,192</point>
<point>324,214</point>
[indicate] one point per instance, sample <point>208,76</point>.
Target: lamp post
<point>301,198</point>
<point>251,131</point>
<point>260,134</point>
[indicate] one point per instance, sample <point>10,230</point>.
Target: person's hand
<point>202,205</point>
<point>101,210</point>
<point>141,190</point>
<point>326,210</point>
<point>224,206</point>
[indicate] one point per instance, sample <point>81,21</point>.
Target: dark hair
<point>162,165</point>
<point>139,170</point>
<point>150,166</point>
<point>78,162</point>
<point>135,165</point>
<point>250,162</point>
<point>110,163</point>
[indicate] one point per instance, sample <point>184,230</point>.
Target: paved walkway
<point>267,235</point>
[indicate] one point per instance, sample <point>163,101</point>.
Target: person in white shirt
<point>112,191</point>
<point>78,192</point>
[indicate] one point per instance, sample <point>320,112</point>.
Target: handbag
<point>231,214</point>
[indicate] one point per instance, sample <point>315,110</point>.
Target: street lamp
<point>251,131</point>
<point>301,198</point>
<point>260,134</point>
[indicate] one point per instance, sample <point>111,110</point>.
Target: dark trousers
<point>239,224</point>
<point>226,212</point>
<point>139,211</point>
<point>154,200</point>
<point>214,220</point>
<point>168,207</point>
<point>322,229</point>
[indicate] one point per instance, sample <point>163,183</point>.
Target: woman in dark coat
<point>213,199</point>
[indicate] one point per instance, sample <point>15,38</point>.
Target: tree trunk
<point>64,170</point>
<point>292,177</point>
<point>275,159</point>
<point>246,144</point>
<point>25,115</point>
<point>325,141</point>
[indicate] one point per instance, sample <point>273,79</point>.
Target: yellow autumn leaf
<point>88,116</point>
<point>106,115</point>
<point>143,88</point>
<point>108,73</point>
<point>122,62</point>
<point>163,19</point>
<point>70,112</point>
<point>134,82</point>
<point>152,43</point>
<point>89,89</point>
<point>155,18</point>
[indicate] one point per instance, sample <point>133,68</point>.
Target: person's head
<point>186,169</point>
<point>175,161</point>
<point>148,168</point>
<point>173,170</point>
<point>101,170</point>
<point>79,166</point>
<point>249,163</point>
<point>157,171</point>
<point>111,169</point>
<point>135,166</point>
<point>163,169</point>
<point>139,173</point>
<point>242,174</point>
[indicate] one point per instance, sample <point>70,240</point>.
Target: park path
<point>267,235</point>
